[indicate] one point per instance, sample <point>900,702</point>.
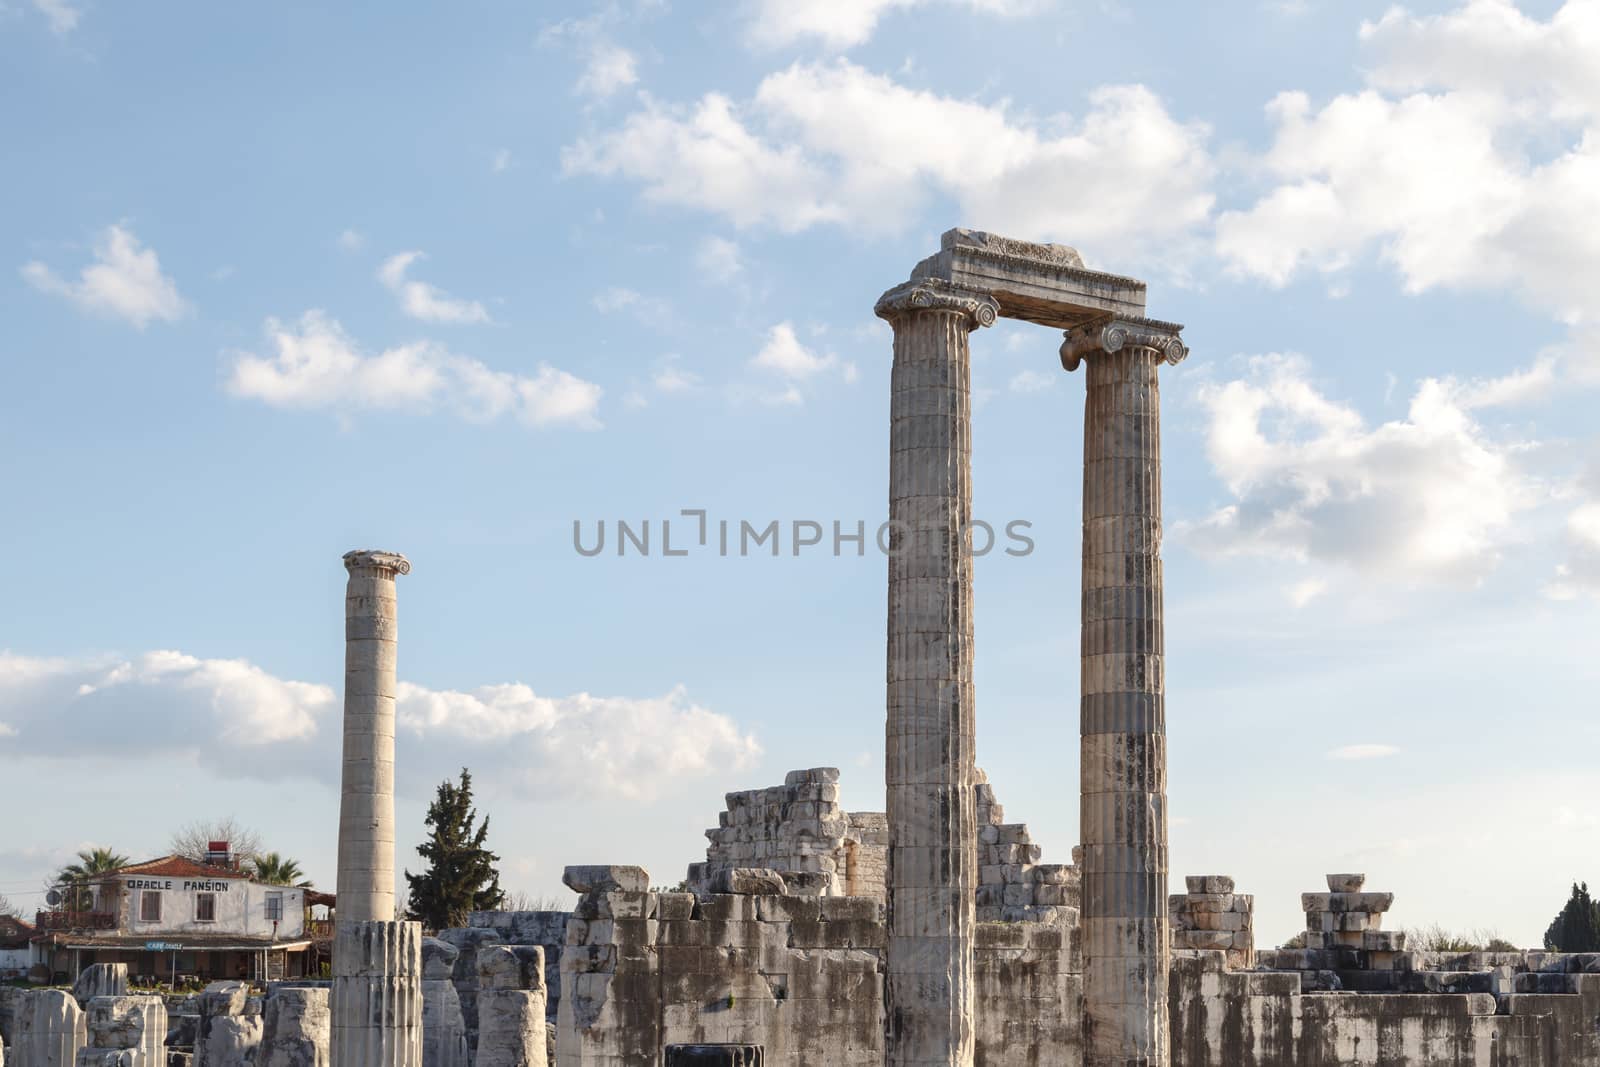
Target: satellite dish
<point>53,898</point>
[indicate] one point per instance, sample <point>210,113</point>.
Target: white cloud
<point>125,281</point>
<point>610,68</point>
<point>650,310</point>
<point>62,16</point>
<point>785,357</point>
<point>783,354</point>
<point>238,718</point>
<point>835,143</point>
<point>1032,381</point>
<point>1370,751</point>
<point>1580,573</point>
<point>846,23</point>
<point>229,712</point>
<point>352,240</point>
<point>719,258</point>
<point>501,161</point>
<point>1304,592</point>
<point>671,378</point>
<point>317,365</point>
<point>423,301</point>
<point>1471,160</point>
<point>1532,383</point>
<point>630,746</point>
<point>1428,497</point>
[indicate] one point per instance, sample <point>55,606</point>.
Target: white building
<point>16,953</point>
<point>175,917</point>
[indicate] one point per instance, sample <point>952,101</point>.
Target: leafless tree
<point>521,901</point>
<point>8,908</point>
<point>192,841</point>
<point>1438,938</point>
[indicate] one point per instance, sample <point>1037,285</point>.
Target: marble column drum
<point>376,1000</point>
<point>1123,819</point>
<point>366,805</point>
<point>930,758</point>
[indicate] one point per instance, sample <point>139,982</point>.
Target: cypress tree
<point>1577,927</point>
<point>461,875</point>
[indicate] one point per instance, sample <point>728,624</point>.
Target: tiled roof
<point>189,942</point>
<point>14,932</point>
<point>178,867</point>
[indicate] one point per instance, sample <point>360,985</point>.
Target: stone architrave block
<point>606,877</point>
<point>748,882</point>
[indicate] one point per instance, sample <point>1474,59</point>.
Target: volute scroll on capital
<point>367,557</point>
<point>931,294</point>
<point>1113,335</point>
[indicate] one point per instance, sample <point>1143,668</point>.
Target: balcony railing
<point>76,920</point>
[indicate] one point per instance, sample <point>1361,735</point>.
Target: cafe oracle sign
<point>185,884</point>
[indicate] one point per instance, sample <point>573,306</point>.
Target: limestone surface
<point>1122,807</point>
<point>49,1028</point>
<point>296,1028</point>
<point>366,798</point>
<point>931,731</point>
<point>101,980</point>
<point>136,1025</point>
<point>377,994</point>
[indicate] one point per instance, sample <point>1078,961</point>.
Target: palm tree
<point>91,862</point>
<point>273,869</point>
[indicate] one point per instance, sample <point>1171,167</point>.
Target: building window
<point>149,906</point>
<point>205,907</point>
<point>274,907</point>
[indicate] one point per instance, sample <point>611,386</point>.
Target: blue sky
<point>278,285</point>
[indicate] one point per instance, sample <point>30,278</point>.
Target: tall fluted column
<point>366,805</point>
<point>929,750</point>
<point>377,962</point>
<point>1126,941</point>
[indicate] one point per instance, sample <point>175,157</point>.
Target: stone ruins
<point>932,934</point>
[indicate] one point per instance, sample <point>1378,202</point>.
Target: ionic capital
<point>1113,335</point>
<point>393,562</point>
<point>931,294</point>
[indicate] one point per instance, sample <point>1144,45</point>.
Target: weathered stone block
<point>600,878</point>
<point>510,967</point>
<point>748,881</point>
<point>296,1028</point>
<point>101,980</point>
<point>1346,883</point>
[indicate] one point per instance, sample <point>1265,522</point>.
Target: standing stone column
<point>366,804</point>
<point>1126,940</point>
<point>929,742</point>
<point>377,962</point>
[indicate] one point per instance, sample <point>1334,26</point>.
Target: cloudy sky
<point>278,284</point>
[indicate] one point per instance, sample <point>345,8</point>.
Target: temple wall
<point>1261,1019</point>
<point>800,975</point>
